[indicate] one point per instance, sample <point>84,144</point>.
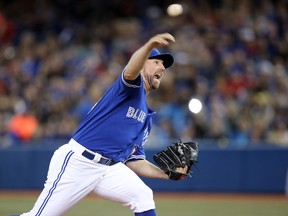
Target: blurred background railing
<point>261,168</point>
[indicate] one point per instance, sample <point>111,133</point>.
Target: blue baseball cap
<point>167,58</point>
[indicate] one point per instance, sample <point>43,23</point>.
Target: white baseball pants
<point>71,177</point>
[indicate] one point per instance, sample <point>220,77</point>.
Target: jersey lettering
<point>137,114</point>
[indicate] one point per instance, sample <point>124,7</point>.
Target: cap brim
<point>167,59</point>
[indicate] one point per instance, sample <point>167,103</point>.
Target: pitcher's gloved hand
<point>177,159</point>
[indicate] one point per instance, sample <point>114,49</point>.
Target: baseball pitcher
<point>106,155</point>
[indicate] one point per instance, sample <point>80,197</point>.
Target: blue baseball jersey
<point>119,123</point>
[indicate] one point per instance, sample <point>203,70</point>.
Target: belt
<point>103,160</point>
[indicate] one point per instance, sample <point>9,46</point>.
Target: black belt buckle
<point>106,161</point>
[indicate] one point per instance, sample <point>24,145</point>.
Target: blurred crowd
<point>58,57</point>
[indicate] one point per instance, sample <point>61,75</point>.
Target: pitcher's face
<point>152,73</point>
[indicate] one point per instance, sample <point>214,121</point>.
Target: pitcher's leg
<point>67,183</point>
<point>122,185</point>
<point>53,189</point>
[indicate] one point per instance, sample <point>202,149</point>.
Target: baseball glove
<point>177,155</point>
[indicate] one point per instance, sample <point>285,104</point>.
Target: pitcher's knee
<point>143,200</point>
